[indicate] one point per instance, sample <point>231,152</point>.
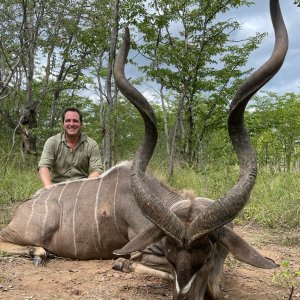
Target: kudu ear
<point>242,251</point>
<point>141,241</point>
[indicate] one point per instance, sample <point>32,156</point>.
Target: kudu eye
<point>172,253</point>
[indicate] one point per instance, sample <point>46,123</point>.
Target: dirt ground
<point>67,279</point>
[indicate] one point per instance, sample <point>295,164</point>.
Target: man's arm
<point>46,161</point>
<point>95,164</point>
<point>45,176</point>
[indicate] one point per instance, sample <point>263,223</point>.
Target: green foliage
<point>286,276</point>
<point>275,200</point>
<point>3,254</point>
<point>208,75</point>
<point>297,2</point>
<point>20,180</point>
<point>65,41</point>
<point>210,57</point>
<point>210,183</point>
<point>275,126</point>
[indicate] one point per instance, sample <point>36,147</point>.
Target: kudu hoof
<point>122,264</point>
<point>38,261</point>
<point>39,255</point>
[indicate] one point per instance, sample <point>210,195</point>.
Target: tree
<point>47,51</point>
<point>54,54</point>
<point>297,2</point>
<point>198,62</point>
<point>275,126</point>
<point>18,50</point>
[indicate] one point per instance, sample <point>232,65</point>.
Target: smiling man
<point>71,154</point>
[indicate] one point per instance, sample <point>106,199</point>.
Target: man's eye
<point>69,121</point>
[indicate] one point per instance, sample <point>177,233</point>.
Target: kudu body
<point>186,237</point>
<point>83,219</point>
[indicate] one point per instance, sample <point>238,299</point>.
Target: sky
<point>256,18</point>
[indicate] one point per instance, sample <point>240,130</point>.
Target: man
<point>71,154</point>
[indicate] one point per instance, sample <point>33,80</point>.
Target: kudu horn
<point>151,207</point>
<point>226,208</point>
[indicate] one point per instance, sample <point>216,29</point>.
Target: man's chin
<point>72,133</point>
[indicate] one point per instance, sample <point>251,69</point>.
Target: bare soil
<point>67,279</point>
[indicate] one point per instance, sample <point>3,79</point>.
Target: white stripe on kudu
<point>74,217</point>
<point>96,215</point>
<point>46,212</point>
<point>114,203</point>
<point>61,211</point>
<point>32,211</point>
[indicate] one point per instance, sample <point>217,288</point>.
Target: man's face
<point>72,124</point>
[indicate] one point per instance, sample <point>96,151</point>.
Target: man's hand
<point>94,174</point>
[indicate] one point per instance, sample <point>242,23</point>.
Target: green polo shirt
<point>67,164</point>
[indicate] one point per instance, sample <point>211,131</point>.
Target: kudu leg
<point>13,248</point>
<point>38,254</point>
<point>146,264</point>
<point>126,265</point>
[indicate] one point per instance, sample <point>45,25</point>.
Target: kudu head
<point>192,231</point>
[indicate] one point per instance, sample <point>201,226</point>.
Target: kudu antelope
<point>129,209</point>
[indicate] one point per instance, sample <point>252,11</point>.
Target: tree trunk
<point>29,38</point>
<point>173,142</point>
<point>109,129</point>
<point>166,131</point>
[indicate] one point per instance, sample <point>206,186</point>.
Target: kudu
<point>126,207</point>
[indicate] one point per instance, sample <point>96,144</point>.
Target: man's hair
<point>71,109</point>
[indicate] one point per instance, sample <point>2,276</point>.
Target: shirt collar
<point>82,137</point>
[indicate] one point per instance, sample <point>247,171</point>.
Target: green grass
<point>18,180</point>
<point>274,202</point>
<point>286,276</point>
